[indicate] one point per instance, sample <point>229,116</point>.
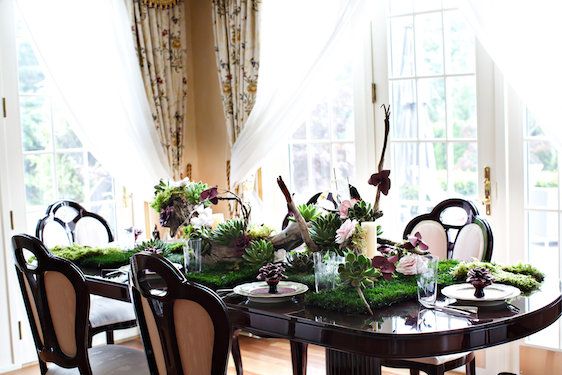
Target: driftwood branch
<point>303,227</point>
<point>383,152</point>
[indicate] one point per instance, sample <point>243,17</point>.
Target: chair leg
<point>414,372</point>
<point>42,367</point>
<point>109,337</point>
<point>236,354</point>
<point>299,355</point>
<point>471,367</point>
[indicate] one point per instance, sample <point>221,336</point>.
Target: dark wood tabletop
<point>404,330</point>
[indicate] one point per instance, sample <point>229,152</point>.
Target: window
<point>542,213</point>
<point>56,164</point>
<point>432,91</point>
<point>322,149</point>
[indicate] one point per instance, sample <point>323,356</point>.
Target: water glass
<point>192,255</point>
<point>427,281</point>
<point>326,270</point>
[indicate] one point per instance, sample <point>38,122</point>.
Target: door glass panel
<point>461,106</point>
<point>429,44</point>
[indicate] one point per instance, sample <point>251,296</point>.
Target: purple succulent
<point>272,273</point>
<point>241,243</point>
<point>382,180</point>
<point>387,266</point>
<point>211,194</point>
<point>166,215</point>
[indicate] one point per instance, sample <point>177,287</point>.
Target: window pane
<point>404,105</point>
<point>431,99</point>
<point>459,44</point>
<point>461,106</point>
<point>532,127</point>
<point>69,176</point>
<point>35,113</point>
<point>465,169</point>
<point>405,174</point>
<point>542,174</point>
<point>299,167</point>
<point>31,79</point>
<point>342,108</point>
<point>319,122</point>
<point>64,136</point>
<point>429,44</point>
<point>344,161</point>
<point>101,183</point>
<point>400,6</point>
<point>433,177</point>
<point>321,164</point>
<point>543,241</point>
<point>300,133</point>
<point>39,187</point>
<point>402,36</point>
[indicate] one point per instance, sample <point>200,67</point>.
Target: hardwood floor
<point>260,357</point>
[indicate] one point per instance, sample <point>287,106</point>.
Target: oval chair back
<point>454,230</point>
<point>57,302</point>
<point>67,222</point>
<point>184,326</point>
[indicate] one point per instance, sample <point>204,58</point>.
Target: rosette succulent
<point>272,273</point>
<point>479,278</point>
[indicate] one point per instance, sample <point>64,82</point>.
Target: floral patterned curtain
<point>160,42</point>
<point>236,29</point>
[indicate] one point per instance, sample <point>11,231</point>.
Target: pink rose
<point>411,264</point>
<point>345,206</point>
<point>345,231</point>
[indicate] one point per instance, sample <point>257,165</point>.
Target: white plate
<point>493,294</point>
<point>258,291</point>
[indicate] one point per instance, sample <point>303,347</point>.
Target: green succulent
<point>323,232</point>
<point>363,211</point>
<point>227,232</point>
<point>259,252</point>
<point>193,191</point>
<point>359,274</point>
<point>308,212</point>
<point>151,244</point>
<point>300,261</point>
<point>259,231</point>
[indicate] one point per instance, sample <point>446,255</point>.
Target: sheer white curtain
<point>298,39</point>
<point>88,50</point>
<point>524,38</point>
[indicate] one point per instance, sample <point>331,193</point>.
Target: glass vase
<point>192,255</point>
<point>326,270</point>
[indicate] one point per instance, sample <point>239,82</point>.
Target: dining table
<point>359,344</point>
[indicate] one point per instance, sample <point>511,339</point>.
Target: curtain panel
<point>159,36</point>
<point>237,48</point>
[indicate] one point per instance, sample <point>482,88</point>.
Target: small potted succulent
<point>272,273</point>
<point>479,278</point>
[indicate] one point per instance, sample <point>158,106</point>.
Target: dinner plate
<point>493,295</point>
<point>259,291</point>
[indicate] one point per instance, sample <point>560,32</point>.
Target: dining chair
<point>452,230</point>
<point>67,222</point>
<point>184,326</point>
<point>57,301</point>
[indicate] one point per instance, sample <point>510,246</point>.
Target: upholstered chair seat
<point>106,311</point>
<point>109,360</point>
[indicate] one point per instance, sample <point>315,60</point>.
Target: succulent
<point>228,232</point>
<point>308,212</point>
<point>358,273</point>
<point>363,211</point>
<point>259,252</point>
<point>272,273</point>
<point>193,191</point>
<point>300,261</point>
<point>151,245</point>
<point>259,231</point>
<point>323,232</point>
<point>479,278</point>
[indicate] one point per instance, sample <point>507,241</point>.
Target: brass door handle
<point>487,202</point>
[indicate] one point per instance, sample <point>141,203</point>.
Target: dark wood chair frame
<point>473,216</point>
<point>81,213</point>
<point>162,304</point>
<point>49,350</point>
<point>435,215</point>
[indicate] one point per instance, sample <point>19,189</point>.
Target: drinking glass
<point>326,270</point>
<point>192,255</point>
<point>427,281</point>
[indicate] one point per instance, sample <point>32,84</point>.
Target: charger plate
<point>259,291</point>
<point>494,294</point>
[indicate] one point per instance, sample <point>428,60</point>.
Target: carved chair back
<point>184,326</point>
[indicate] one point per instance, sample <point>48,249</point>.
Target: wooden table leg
<point>299,352</point>
<point>342,363</point>
<point>236,355</point>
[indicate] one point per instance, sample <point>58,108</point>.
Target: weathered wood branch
<point>303,227</point>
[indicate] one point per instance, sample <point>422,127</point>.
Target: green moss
<point>224,275</point>
<point>94,257</point>
<point>525,269</point>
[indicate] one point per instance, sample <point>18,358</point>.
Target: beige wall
<point>206,137</point>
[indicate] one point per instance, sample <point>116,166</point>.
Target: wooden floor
<point>260,357</point>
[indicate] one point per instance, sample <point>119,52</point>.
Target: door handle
<point>487,202</point>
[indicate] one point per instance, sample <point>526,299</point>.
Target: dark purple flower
<point>387,266</point>
<point>211,194</point>
<point>382,180</point>
<point>415,241</point>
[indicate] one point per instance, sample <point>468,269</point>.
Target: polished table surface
<point>403,330</point>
